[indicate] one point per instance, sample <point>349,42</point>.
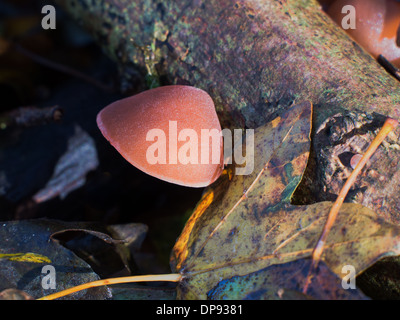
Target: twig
<point>390,68</point>
<point>61,68</point>
<point>30,116</point>
<point>173,277</point>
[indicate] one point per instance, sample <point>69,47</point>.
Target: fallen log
<point>256,58</point>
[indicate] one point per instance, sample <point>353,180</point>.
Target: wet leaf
<point>248,224</point>
<point>137,292</point>
<point>14,294</point>
<point>283,282</point>
<point>100,235</point>
<point>382,280</point>
<point>108,250</point>
<point>33,236</point>
<point>132,233</point>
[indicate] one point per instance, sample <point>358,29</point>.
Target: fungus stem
<point>388,126</point>
<point>173,277</point>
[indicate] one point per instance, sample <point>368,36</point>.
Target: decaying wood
<point>256,58</point>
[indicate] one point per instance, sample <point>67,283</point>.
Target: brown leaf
<point>248,224</point>
<point>14,294</point>
<point>283,282</point>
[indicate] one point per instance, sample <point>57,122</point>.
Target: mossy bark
<point>253,57</point>
<point>256,58</point>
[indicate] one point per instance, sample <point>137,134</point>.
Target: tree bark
<point>253,57</point>
<point>256,58</point>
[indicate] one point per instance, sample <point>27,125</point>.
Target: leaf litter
<point>245,230</point>
<point>250,224</point>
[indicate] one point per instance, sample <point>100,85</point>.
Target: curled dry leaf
<point>248,224</point>
<point>101,235</point>
<point>109,251</point>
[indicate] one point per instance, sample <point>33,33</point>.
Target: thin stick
<point>64,69</point>
<point>388,126</point>
<point>173,277</point>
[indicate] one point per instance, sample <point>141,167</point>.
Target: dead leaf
<point>100,235</point>
<point>139,292</point>
<point>33,236</point>
<point>108,255</point>
<point>72,167</point>
<point>248,224</point>
<point>14,294</point>
<point>382,280</point>
<point>283,282</point>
